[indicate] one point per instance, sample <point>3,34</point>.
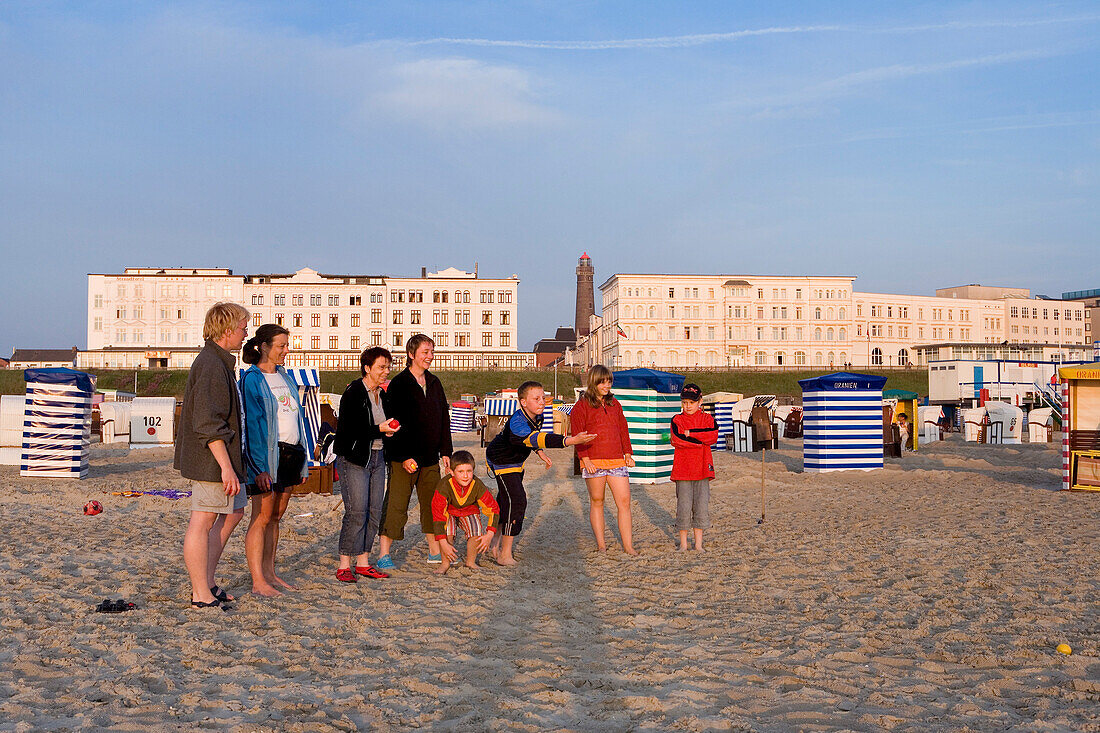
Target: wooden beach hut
<point>1080,427</point>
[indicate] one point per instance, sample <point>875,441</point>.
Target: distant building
<point>150,318</point>
<point>586,295</point>
<point>1091,301</point>
<point>43,358</point>
<point>547,351</point>
<point>800,321</point>
<point>4,363</point>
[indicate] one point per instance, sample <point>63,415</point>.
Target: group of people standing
<point>241,440</point>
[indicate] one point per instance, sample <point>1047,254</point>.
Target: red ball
<point>92,508</point>
<point>394,424</point>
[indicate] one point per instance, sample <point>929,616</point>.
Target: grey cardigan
<point>211,411</point>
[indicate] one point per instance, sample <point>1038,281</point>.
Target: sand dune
<point>929,595</point>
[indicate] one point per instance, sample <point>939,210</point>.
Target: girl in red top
<point>604,461</point>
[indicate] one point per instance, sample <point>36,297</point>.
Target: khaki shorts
<point>209,496</point>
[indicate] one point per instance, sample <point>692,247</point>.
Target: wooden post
<point>763,455</point>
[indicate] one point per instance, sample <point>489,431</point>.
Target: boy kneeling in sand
<point>459,501</point>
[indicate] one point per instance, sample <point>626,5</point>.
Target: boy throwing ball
<point>506,455</point>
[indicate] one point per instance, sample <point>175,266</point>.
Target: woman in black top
<point>415,454</point>
<point>363,422</point>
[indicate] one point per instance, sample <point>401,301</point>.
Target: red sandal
<point>344,575</point>
<point>370,571</point>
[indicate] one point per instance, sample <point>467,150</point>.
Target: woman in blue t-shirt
<point>274,449</point>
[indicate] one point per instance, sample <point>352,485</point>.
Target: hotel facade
<point>152,318</point>
<point>678,321</point>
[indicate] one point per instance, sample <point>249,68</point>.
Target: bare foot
<point>280,581</point>
<point>698,548</point>
<point>442,569</point>
<point>266,590</point>
<point>472,565</point>
<point>630,551</point>
<point>682,548</point>
<point>507,561</point>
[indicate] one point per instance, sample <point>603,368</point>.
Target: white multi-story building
<point>815,321</point>
<point>153,318</point>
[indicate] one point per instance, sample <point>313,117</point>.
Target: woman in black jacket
<point>364,421</point>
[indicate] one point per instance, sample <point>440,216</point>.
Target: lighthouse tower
<point>586,299</point>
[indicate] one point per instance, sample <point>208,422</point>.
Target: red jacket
<point>609,424</point>
<point>692,460</point>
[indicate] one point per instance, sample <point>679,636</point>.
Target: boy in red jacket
<point>693,433</point>
<point>459,501</point>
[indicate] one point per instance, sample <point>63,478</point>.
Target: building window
<point>256,321</point>
<point>799,356</point>
<point>462,339</point>
<point>297,300</point>
<point>315,320</point>
<point>375,338</point>
<point>486,339</point>
<point>355,300</point>
<point>278,319</point>
<point>280,299</point>
<point>504,318</point>
<point>398,339</point>
<point>314,342</point>
<point>462,318</point>
<point>355,320</point>
<point>397,317</point>
<point>333,300</point>
<point>315,299</point>
<point>376,316</point>
<point>297,320</point>
<point>355,343</point>
<point>296,342</point>
<point>486,318</point>
<point>333,319</point>
<point>876,356</point>
<point>257,299</point>
<point>414,317</point>
<point>505,339</point>
<point>97,323</point>
<point>333,343</point>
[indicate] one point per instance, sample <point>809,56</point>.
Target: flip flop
<point>216,603</point>
<point>221,595</point>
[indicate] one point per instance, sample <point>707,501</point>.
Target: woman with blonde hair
<point>604,461</point>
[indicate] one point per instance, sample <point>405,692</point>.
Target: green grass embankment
<point>160,383</point>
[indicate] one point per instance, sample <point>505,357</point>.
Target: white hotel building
<point>148,317</point>
<point>675,321</point>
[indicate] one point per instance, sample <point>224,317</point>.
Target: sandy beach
<point>929,595</point>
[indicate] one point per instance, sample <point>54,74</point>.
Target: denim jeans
<point>363,489</point>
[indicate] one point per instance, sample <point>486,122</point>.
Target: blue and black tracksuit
<point>506,454</point>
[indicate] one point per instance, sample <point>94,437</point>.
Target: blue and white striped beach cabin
<point>842,422</point>
<point>57,423</point>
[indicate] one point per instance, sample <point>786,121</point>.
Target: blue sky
<point>914,145</point>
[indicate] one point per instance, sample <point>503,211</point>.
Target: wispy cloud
<point>902,71</point>
<point>443,93</point>
<point>702,39</point>
<point>850,83</point>
<point>983,126</point>
<point>697,39</point>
